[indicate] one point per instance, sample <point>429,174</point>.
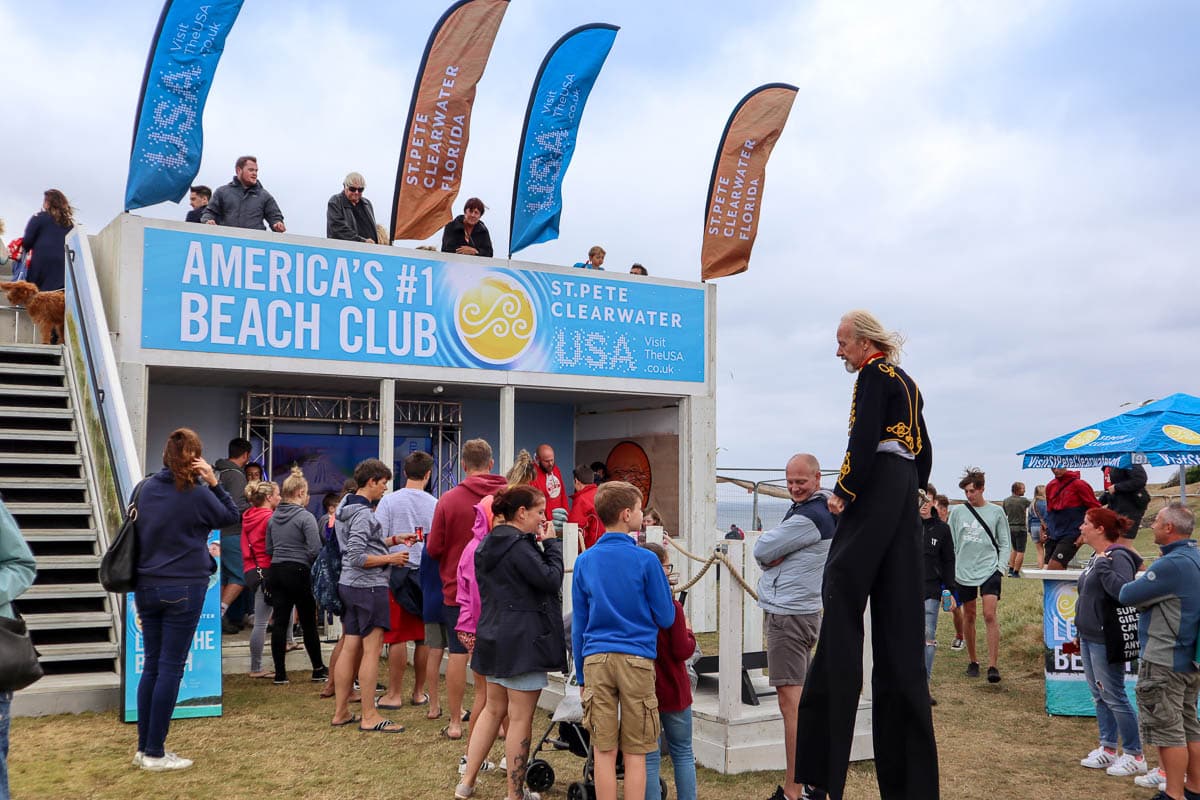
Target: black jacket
<point>340,222</point>
<point>520,618</point>
<point>886,408</point>
<point>454,236</point>
<point>47,239</point>
<point>1127,486</point>
<point>236,206</point>
<point>939,557</point>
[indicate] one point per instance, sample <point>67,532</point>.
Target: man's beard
<point>849,367</point>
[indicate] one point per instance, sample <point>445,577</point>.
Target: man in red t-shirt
<point>583,507</point>
<point>550,480</point>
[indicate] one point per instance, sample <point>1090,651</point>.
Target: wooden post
<point>753,616</point>
<point>729,609</point>
<point>570,540</point>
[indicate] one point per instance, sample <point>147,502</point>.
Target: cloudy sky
<point>1012,185</point>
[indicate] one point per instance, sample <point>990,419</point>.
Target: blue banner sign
<point>222,294</point>
<point>200,689</point>
<point>556,103</point>
<point>1067,693</point>
<point>168,136</point>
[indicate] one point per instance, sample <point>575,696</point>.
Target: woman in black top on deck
<point>466,234</point>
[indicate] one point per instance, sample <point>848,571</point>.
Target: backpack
<point>326,572</point>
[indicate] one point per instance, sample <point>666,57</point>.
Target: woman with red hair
<point>1113,565</point>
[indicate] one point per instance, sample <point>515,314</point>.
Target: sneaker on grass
<point>1128,765</point>
<point>1098,759</point>
<point>957,644</point>
<point>1154,779</point>
<point>486,766</point>
<point>973,669</point>
<point>168,762</point>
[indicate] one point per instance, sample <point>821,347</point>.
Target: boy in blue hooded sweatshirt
<point>620,599</point>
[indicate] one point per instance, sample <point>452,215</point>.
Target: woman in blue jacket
<point>175,516</point>
<point>46,236</point>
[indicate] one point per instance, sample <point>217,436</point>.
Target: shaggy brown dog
<point>46,309</point>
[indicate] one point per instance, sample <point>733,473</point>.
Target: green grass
<point>995,742</point>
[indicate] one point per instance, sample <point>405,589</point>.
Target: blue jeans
<point>5,716</point>
<point>933,607</point>
<point>169,616</point>
<point>1114,714</point>
<point>677,727</point>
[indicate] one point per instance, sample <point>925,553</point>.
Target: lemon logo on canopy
<point>1082,438</point>
<point>495,319</point>
<point>1181,434</point>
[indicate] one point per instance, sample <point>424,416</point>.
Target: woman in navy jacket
<point>520,633</point>
<point>46,236</point>
<point>175,516</point>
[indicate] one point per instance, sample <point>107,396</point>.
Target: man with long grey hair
<point>349,216</point>
<point>876,555</point>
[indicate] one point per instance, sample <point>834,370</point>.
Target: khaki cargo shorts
<point>612,680</point>
<point>1166,702</point>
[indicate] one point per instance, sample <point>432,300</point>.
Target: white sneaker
<point>503,765</point>
<point>957,644</point>
<point>137,758</point>
<point>1098,759</point>
<point>168,762</point>
<point>486,766</point>
<point>1154,779</point>
<point>1128,765</point>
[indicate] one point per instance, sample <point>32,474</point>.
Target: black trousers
<point>291,587</point>
<point>876,553</point>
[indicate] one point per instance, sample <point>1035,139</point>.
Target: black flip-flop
<point>445,734</point>
<point>387,707</point>
<point>382,727</point>
<point>424,702</point>
<point>353,718</point>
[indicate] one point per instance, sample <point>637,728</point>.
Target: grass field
<point>995,742</point>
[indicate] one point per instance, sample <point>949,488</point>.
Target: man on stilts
<point>876,555</point>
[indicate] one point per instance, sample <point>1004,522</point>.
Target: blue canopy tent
<point>1158,434</point>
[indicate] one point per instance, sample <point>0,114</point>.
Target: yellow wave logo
<point>1181,434</point>
<point>495,319</point>
<point>1082,438</point>
<point>1065,601</point>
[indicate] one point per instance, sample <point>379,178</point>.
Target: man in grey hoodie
<point>792,557</point>
<point>363,589</point>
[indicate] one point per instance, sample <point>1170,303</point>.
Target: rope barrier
<point>716,557</point>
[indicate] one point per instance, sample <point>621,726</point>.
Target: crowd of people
<point>349,216</point>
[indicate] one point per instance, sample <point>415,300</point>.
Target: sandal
<point>383,726</point>
<point>424,702</point>
<point>438,715</point>
<point>264,673</point>
<point>353,718</point>
<point>445,734</point>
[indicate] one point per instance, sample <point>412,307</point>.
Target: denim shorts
<point>525,682</point>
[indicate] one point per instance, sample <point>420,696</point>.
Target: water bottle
<point>946,599</point>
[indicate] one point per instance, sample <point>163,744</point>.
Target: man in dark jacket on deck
<point>1068,497</point>
<point>349,216</point>
<point>243,202</point>
<point>1127,495</point>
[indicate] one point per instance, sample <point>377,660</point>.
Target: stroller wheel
<point>581,791</point>
<point>662,787</point>
<point>539,775</point>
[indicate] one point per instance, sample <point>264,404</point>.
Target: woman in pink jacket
<point>263,497</point>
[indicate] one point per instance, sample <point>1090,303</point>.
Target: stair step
<point>26,390</point>
<point>59,535</point>
<point>50,591</point>
<point>73,681</point>
<point>50,508</point>
<point>80,651</point>
<point>17,367</point>
<point>14,482</point>
<point>77,619</point>
<point>34,412</point>
<point>68,562</point>
<point>38,436</point>
<point>40,458</point>
<point>33,349</point>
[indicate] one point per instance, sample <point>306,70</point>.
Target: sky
<point>1013,186</point>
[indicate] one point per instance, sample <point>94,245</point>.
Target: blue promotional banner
<point>200,689</point>
<point>556,103</point>
<point>1067,693</point>
<point>223,294</point>
<point>168,135</point>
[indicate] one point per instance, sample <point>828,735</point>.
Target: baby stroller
<point>567,720</point>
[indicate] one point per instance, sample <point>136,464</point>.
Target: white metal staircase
<point>46,484</point>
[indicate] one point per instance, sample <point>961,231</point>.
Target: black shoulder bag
<point>118,567</point>
<point>1120,631</point>
<point>19,665</point>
